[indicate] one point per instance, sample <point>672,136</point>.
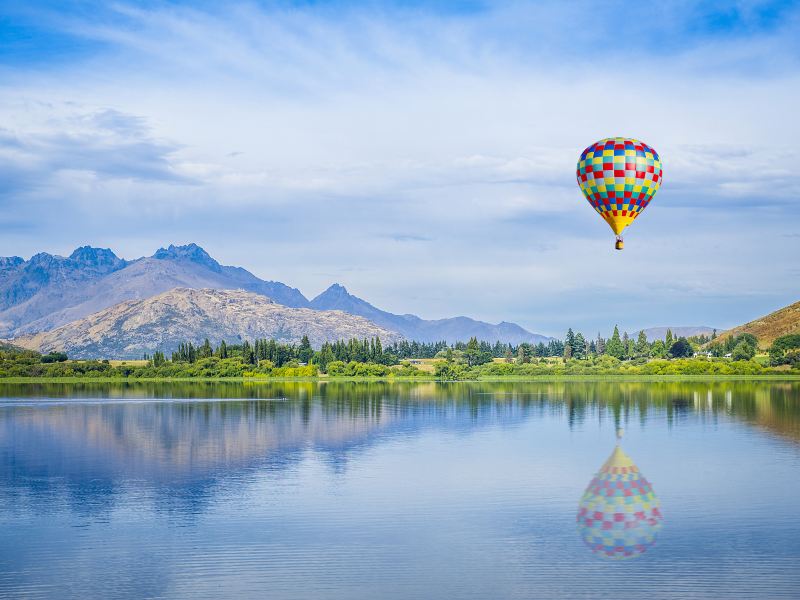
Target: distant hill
<point>660,333</point>
<point>454,329</point>
<point>48,291</point>
<point>781,322</point>
<point>129,329</point>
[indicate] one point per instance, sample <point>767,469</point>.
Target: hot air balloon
<point>619,515</point>
<point>619,176</point>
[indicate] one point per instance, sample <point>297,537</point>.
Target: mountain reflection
<point>90,440</point>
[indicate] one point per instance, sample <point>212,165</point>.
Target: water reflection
<point>619,514</point>
<point>54,436</point>
<point>352,490</point>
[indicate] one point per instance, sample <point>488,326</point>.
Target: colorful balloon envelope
<point>619,515</point>
<point>619,176</point>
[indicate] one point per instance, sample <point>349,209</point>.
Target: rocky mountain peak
<point>335,290</point>
<point>10,262</point>
<point>43,259</point>
<point>190,252</point>
<point>96,257</point>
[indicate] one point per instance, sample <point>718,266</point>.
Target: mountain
<point>32,288</point>
<point>49,291</point>
<point>781,322</point>
<point>131,328</point>
<point>660,333</point>
<point>454,329</point>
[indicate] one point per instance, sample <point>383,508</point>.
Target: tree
<point>567,352</point>
<point>782,346</point>
<point>53,357</point>
<point>614,347</point>
<point>681,349</point>
<point>743,351</point>
<point>509,355</point>
<point>579,346</point>
<point>305,352</point>
<point>642,347</point>
<point>472,353</point>
<point>222,351</point>
<point>248,355</point>
<point>600,345</point>
<point>523,356</point>
<point>658,349</point>
<point>158,358</point>
<point>668,340</point>
<point>205,350</point>
<point>324,357</point>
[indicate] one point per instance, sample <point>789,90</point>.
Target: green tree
<point>681,348</point>
<point>669,340</point>
<point>523,355</point>
<point>579,346</point>
<point>449,355</point>
<point>472,353</point>
<point>158,359</point>
<point>614,346</point>
<point>642,347</point>
<point>569,340</point>
<point>600,344</point>
<point>305,352</point>
<point>248,354</point>
<point>324,357</point>
<point>658,349</point>
<point>782,346</point>
<point>743,351</point>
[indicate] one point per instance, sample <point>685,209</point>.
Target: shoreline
<point>499,379</point>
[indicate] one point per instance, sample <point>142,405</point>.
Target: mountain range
<point>48,291</point>
<point>336,297</point>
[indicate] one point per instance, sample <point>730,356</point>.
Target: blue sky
<point>421,154</point>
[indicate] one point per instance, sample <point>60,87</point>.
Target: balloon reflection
<point>619,515</point>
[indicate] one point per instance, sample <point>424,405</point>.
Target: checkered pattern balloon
<point>619,177</point>
<point>619,515</point>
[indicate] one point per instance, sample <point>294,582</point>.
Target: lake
<point>405,490</point>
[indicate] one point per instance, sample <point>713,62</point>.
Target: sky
<point>421,154</point>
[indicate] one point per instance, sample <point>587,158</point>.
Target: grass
<point>128,363</point>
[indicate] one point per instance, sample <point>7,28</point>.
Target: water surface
<point>377,490</point>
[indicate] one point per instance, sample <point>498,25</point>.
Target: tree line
<point>472,359</point>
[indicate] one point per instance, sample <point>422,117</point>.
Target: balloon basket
<point>619,245</point>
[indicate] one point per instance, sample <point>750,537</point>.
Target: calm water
<point>397,490</point>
